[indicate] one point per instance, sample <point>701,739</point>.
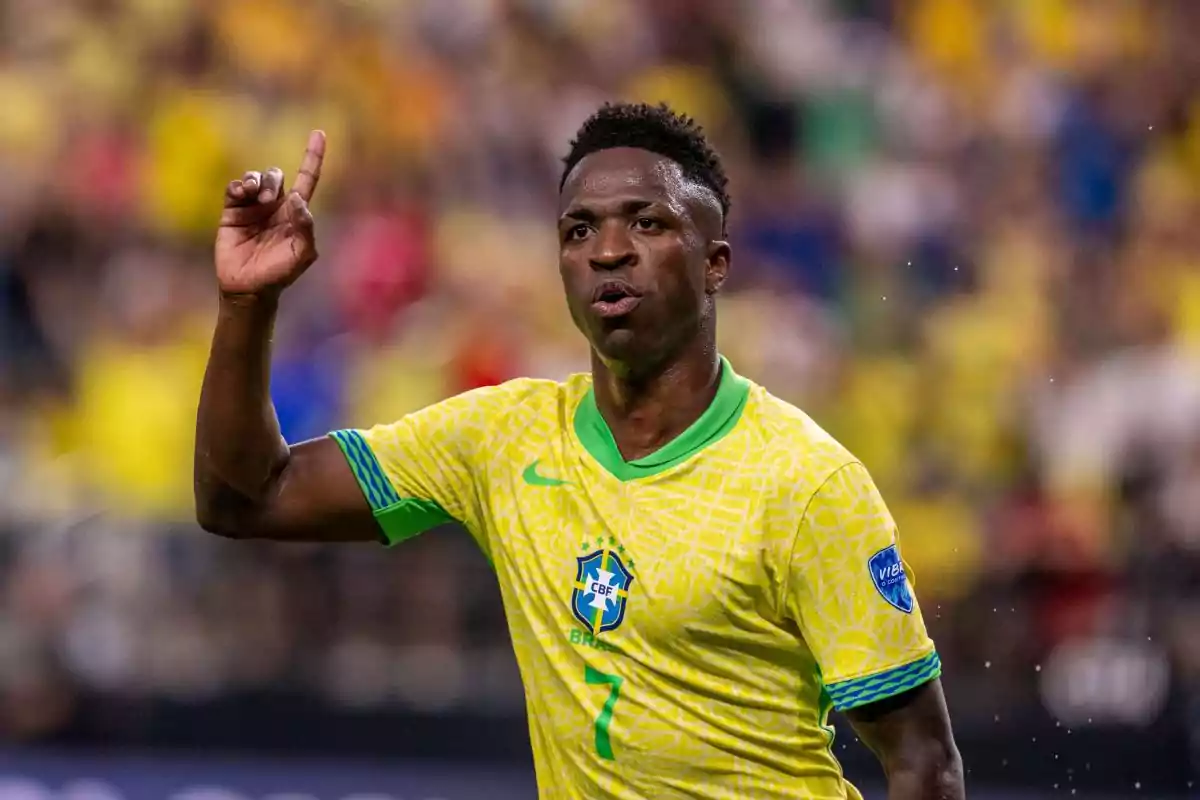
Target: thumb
<point>297,211</point>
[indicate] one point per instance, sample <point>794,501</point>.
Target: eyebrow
<point>626,208</point>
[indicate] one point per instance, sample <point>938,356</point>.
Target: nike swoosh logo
<point>533,478</point>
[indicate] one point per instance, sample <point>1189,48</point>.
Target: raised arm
<point>248,482</point>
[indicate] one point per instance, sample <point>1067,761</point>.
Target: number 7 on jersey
<point>604,720</point>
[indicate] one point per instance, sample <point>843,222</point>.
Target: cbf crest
<point>887,573</point>
<point>602,582</point>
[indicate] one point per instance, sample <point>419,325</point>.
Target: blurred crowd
<point>965,242</point>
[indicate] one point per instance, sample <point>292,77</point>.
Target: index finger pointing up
<point>310,168</point>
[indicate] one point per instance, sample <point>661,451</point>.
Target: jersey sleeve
<point>426,468</point>
<point>852,595</point>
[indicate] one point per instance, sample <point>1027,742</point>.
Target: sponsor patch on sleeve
<point>887,573</point>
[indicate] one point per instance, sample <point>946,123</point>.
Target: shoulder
<point>512,398</point>
<point>809,475</point>
<point>811,483</point>
<point>527,398</point>
<point>514,395</point>
<point>801,453</point>
<point>492,415</point>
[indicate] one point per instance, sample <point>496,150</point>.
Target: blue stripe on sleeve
<point>872,688</point>
<point>375,484</point>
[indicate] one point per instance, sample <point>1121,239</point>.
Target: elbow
<point>223,513</point>
<point>935,766</point>
<point>211,520</point>
<point>946,775</point>
<point>216,525</point>
<point>253,512</point>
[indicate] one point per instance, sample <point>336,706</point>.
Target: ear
<point>717,266</point>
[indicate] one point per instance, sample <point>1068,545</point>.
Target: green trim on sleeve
<point>882,685</point>
<point>409,517</point>
<point>399,517</point>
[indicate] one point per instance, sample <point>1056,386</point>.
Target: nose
<point>613,248</point>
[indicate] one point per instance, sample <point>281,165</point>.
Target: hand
<point>265,238</point>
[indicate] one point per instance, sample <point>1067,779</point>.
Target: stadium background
<point>966,241</point>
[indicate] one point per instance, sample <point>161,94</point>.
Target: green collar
<point>716,421</point>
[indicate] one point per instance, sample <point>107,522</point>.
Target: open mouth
<point>615,298</point>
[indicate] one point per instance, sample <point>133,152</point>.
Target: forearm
<point>931,771</point>
<point>910,734</point>
<point>239,449</point>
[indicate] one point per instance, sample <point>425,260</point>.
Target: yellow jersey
<point>683,623</point>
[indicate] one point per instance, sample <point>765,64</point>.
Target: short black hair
<point>659,130</point>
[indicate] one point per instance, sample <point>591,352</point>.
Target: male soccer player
<point>693,572</point>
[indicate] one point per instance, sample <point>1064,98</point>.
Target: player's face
<point>638,268</point>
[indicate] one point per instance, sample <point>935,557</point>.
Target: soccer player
<point>693,572</point>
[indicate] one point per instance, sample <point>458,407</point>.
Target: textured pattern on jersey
<point>861,691</point>
<point>440,453</point>
<point>750,585</point>
<point>851,627</point>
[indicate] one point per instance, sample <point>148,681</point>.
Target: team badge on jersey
<point>887,573</point>
<point>601,590</point>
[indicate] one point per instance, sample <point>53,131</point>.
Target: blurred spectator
<point>965,242</point>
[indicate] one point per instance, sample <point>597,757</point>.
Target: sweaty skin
<point>631,215</point>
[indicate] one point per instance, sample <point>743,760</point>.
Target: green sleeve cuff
<point>399,517</point>
<point>882,685</point>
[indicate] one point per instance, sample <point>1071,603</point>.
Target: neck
<point>647,409</point>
